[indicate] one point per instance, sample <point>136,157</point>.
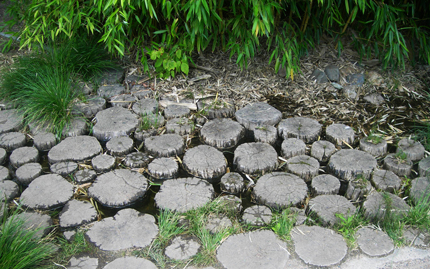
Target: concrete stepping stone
<point>166,145</point>
<point>23,155</point>
<point>358,189</point>
<point>109,91</point>
<point>10,121</point>
<point>27,173</point>
<point>230,202</point>
<point>8,190</point>
<point>325,207</point>
<point>83,263</point>
<point>130,263</point>
<point>77,149</point>
<point>318,246</point>
<point>347,164</point>
<point>40,223</point>
<point>163,168</point>
<point>213,109</point>
<point>400,166</point>
<point>91,106</point>
<point>258,114</point>
<point>77,126</point>
<point>47,192</point>
<point>424,167</point>
<point>332,72</point>
<point>141,92</point>
<point>253,158</point>
<point>180,126</point>
<point>184,194</point>
<point>118,188</point>
<point>374,243</point>
<point>103,163</point>
<point>4,173</point>
<point>306,129</point>
<point>415,237</point>
<point>176,111</point>
<point>12,140</point>
<point>76,213</point>
<point>376,150</point>
<point>280,190</point>
<point>222,133</point>
<point>232,183</point>
<point>123,100</point>
<point>44,141</point>
<point>182,247</point>
<point>322,150</point>
<point>145,107</point>
<point>64,168</point>
<point>420,190</point>
<point>253,250</point>
<point>376,205</point>
<point>413,149</point>
<point>84,176</point>
<point>292,147</point>
<point>339,134</point>
<point>304,166</point>
<point>386,180</point>
<point>257,215</point>
<point>325,184</point>
<point>3,155</point>
<point>119,146</point>
<point>266,134</point>
<point>218,223</point>
<point>136,160</point>
<point>205,162</point>
<point>127,229</point>
<point>112,76</point>
<point>114,121</point>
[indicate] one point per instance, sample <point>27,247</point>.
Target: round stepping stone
<point>64,168</point>
<point>258,114</point>
<point>205,162</point>
<point>140,92</point>
<point>232,183</point>
<point>424,167</point>
<point>3,155</point>
<point>114,121</point>
<point>291,147</point>
<point>44,141</point>
<point>413,149</point>
<point>280,190</point>
<point>91,106</point>
<point>374,243</point>
<point>325,207</point>
<point>252,158</point>
<point>103,163</point>
<point>420,190</point>
<point>118,188</point>
<point>176,111</point>
<point>216,109</point>
<point>109,91</point>
<point>123,100</point>
<point>400,166</point>
<point>257,215</point>
<point>347,164</point>
<point>42,224</point>
<point>253,250</point>
<point>47,192</point>
<point>77,127</point>
<point>304,166</point>
<point>76,213</point>
<point>339,134</point>
<point>127,229</point>
<point>266,134</point>
<point>370,146</point>
<point>318,246</point>
<point>325,184</point>
<point>230,202</point>
<point>83,263</point>
<point>163,168</point>
<point>222,133</point>
<point>322,150</point>
<point>182,247</point>
<point>358,189</point>
<point>218,223</point>
<point>10,121</point>
<point>136,160</point>
<point>306,129</point>
<point>84,176</point>
<point>119,146</point>
<point>166,145</point>
<point>386,180</point>
<point>130,263</point>
<point>21,156</point>
<point>184,194</point>
<point>180,126</point>
<point>8,190</point>
<point>145,107</point>
<point>377,204</point>
<point>77,149</point>
<point>27,173</point>
<point>12,140</point>
<point>4,173</point>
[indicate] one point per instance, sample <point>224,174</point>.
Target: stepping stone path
<point>77,127</point>
<point>130,263</point>
<point>205,162</point>
<point>145,107</point>
<point>373,242</point>
<point>216,224</point>
<point>258,114</point>
<point>424,167</point>
<point>257,215</point>
<point>76,213</point>
<point>166,145</point>
<point>176,111</point>
<point>12,140</point>
<point>84,176</point>
<point>222,133</point>
<point>322,150</point>
<point>253,158</point>
<point>42,224</point>
<point>376,150</point>
<point>266,134</point>
<point>109,91</point>
<point>114,121</point>
<point>4,173</point>
<point>216,109</point>
<point>78,148</point>
<point>325,207</point>
<point>3,155</point>
<point>92,105</point>
<point>397,164</point>
<point>83,263</point>
<point>347,164</point>
<point>182,248</point>
<point>180,126</point>
<point>305,129</point>
<point>21,156</point>
<point>123,100</point>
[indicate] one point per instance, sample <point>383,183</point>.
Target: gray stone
<point>83,263</point>
<point>136,160</point>
<point>64,168</point>
<point>232,183</point>
<point>3,155</point>
<point>27,173</point>
<point>253,158</point>
<point>306,129</point>
<point>374,243</point>
<point>4,173</point>
<point>332,72</point>
<point>166,145</point>
<point>322,150</point>
<point>145,107</point>
<point>348,164</point>
<point>326,207</point>
<point>355,79</point>
<point>222,133</point>
<point>292,147</point>
<point>8,190</point>
<point>325,184</point>
<point>42,224</point>
<point>350,91</point>
<point>397,164</point>
<point>44,141</point>
<point>266,134</point>
<point>358,189</point>
<point>340,134</point>
<point>413,149</point>
<point>77,126</point>
<point>176,111</point>
<point>85,175</point>
<point>424,167</point>
<point>10,121</point>
<point>114,121</point>
<point>415,237</point>
<point>103,163</point>
<point>253,250</point>
<point>163,168</point>
<point>141,92</point>
<point>91,106</point>
<point>109,91</point>
<point>304,166</point>
<point>257,215</point>
<point>420,190</point>
<point>319,76</point>
<point>215,108</point>
<point>123,100</point>
<point>258,114</point>
<point>377,205</point>
<point>386,180</point>
<point>230,202</point>
<point>130,263</point>
<point>119,146</point>
<point>21,156</point>
<point>182,247</point>
<point>77,148</point>
<point>111,76</point>
<point>76,213</point>
<point>127,229</point>
<point>180,126</point>
<point>374,99</point>
<point>374,149</point>
<point>69,235</point>
<point>205,162</point>
<point>12,140</point>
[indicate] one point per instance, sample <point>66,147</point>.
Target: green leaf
<point>178,54</point>
<point>184,68</point>
<point>158,63</point>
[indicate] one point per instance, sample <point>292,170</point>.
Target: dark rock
<point>348,164</point>
<point>114,121</point>
<point>21,156</point>
<point>306,129</point>
<point>332,72</point>
<point>166,145</point>
<point>76,213</point>
<point>222,133</point>
<point>12,140</point>
<point>252,158</point>
<point>77,148</point>
<point>355,79</point>
<point>319,76</point>
<point>326,207</point>
<point>182,247</point>
<point>374,243</point>
<point>257,215</point>
<point>258,114</point>
<point>27,173</point>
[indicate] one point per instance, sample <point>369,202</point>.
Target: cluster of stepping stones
<point>294,162</point>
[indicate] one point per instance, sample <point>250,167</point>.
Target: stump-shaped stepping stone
<point>347,164</point>
<point>76,127</point>
<point>257,215</point>
<point>424,167</point>
<point>358,189</point>
<point>325,184</point>
<point>232,183</point>
<point>136,160</point>
<point>306,129</point>
<point>325,207</point>
<point>163,168</point>
<point>253,158</point>
<point>8,190</point>
<point>21,156</point>
<point>64,168</point>
<point>374,243</point>
<point>184,194</point>
<point>76,213</point>
<point>118,188</point>
<point>216,109</point>
<point>205,162</point>
<point>340,134</point>
<point>258,114</point>
<point>47,192</point>
<point>253,250</point>
<point>318,246</point>
<point>109,91</point>
<point>386,180</point>
<point>376,147</point>
<point>145,107</point>
<point>266,134</point>
<point>413,149</point>
<point>420,190</point>
<point>123,100</point>
<point>127,229</point>
<point>119,146</point>
<point>83,263</point>
<point>398,164</point>
<point>166,145</point>
<point>222,133</point>
<point>182,247</point>
<point>130,263</point>
<point>12,140</point>
<point>44,141</point>
<point>377,204</point>
<point>4,173</point>
<point>10,121</point>
<point>91,106</point>
<point>42,224</point>
<point>280,190</point>
<point>84,176</point>
<point>304,166</point>
<point>292,147</point>
<point>322,150</point>
<point>180,126</point>
<point>176,111</point>
<point>77,149</point>
<point>114,121</point>
<point>103,163</point>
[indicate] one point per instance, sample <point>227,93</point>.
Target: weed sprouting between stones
<point>283,222</point>
<point>348,226</point>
